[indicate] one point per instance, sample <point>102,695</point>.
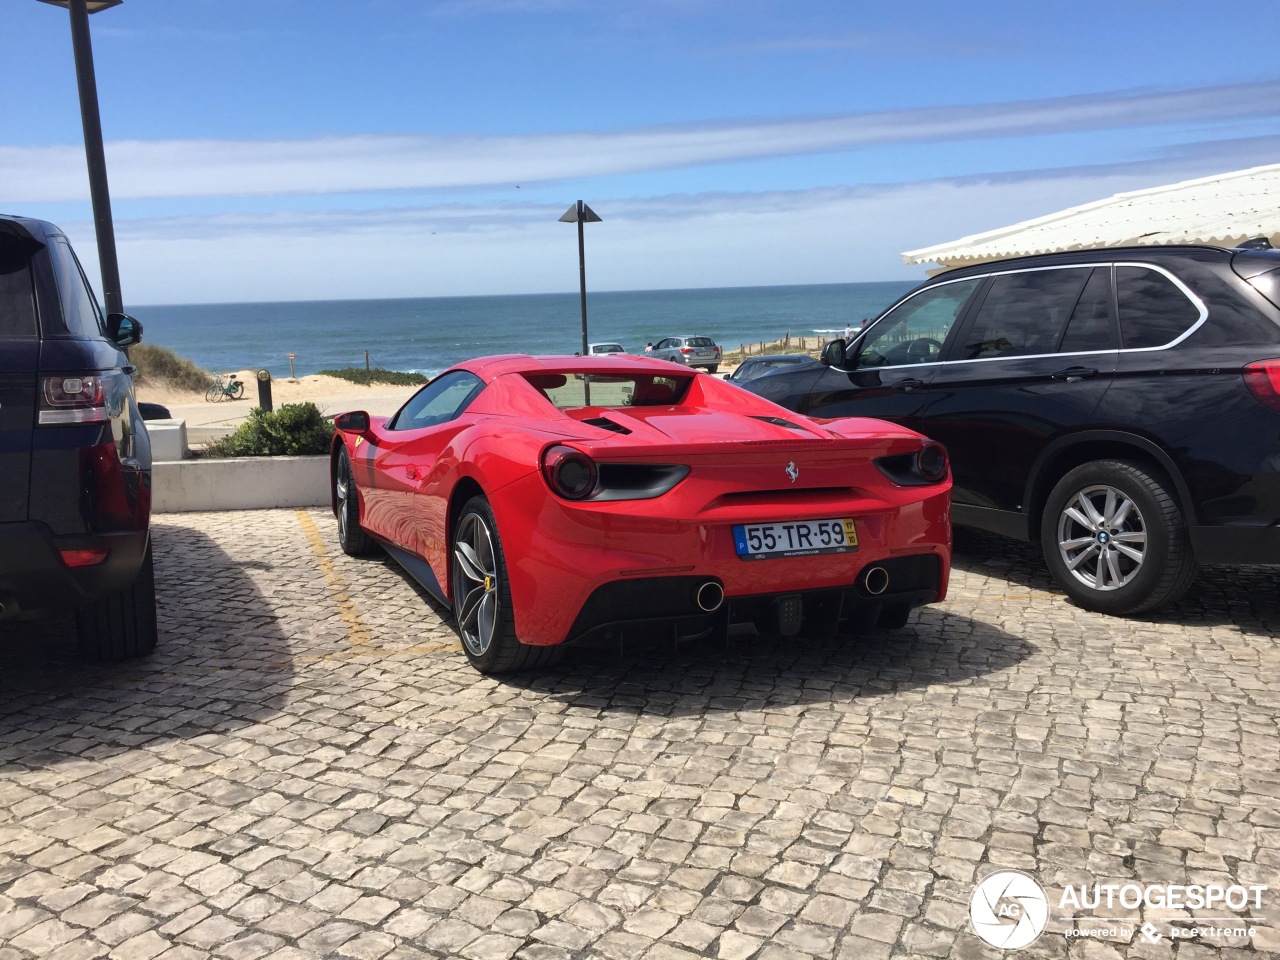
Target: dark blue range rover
<point>75,460</point>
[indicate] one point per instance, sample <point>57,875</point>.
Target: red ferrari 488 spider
<point>551,500</point>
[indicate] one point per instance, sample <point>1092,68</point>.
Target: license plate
<point>795,538</point>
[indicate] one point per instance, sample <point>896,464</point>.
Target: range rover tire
<point>482,597</point>
<point>1115,540</point>
<point>121,626</point>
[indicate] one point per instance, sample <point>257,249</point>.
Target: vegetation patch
<point>294,430</point>
<point>162,368</point>
<point>377,375</point>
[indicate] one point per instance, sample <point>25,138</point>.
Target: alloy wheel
<point>1102,537</point>
<point>476,584</point>
<point>342,493</point>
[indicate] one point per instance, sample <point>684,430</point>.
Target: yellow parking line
<point>347,610</point>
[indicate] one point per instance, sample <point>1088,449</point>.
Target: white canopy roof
<point>1223,210</point>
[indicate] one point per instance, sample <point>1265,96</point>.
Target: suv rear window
<point>1153,310</point>
<point>700,342</point>
<point>17,295</point>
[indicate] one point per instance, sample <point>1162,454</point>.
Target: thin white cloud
<point>361,164</point>
<point>682,240</point>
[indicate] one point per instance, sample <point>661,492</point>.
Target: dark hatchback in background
<point>75,459</point>
<point>1120,406</point>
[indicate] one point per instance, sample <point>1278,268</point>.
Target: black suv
<point>1120,406</point>
<point>75,459</point>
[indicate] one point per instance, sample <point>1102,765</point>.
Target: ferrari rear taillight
<point>926,466</point>
<point>931,461</point>
<point>570,473</point>
<point>80,398</point>
<point>1263,380</point>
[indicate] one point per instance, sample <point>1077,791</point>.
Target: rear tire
<point>353,539</point>
<point>121,626</point>
<point>713,368</point>
<point>482,597</point>
<point>1115,540</point>
<point>237,391</point>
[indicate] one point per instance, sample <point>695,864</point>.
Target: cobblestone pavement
<point>307,767</point>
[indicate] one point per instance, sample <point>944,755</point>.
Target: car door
<point>893,362</point>
<point>1031,362</point>
<point>406,449</point>
<point>664,349</point>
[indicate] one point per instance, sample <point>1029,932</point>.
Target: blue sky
<point>282,149</point>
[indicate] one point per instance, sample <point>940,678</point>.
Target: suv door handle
<point>908,384</point>
<point>1075,374</point>
<point>130,369</point>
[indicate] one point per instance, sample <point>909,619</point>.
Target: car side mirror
<point>125,330</point>
<point>834,354</point>
<point>355,422</point>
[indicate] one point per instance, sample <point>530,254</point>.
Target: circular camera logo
<point>1009,910</point>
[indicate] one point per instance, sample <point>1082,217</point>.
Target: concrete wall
<point>168,439</point>
<point>246,483</point>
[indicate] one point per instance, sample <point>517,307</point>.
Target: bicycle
<point>219,390</point>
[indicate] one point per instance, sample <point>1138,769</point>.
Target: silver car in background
<point>690,351</point>
<point>604,348</point>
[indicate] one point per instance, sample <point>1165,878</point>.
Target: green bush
<point>296,429</point>
<point>377,375</point>
<point>160,367</point>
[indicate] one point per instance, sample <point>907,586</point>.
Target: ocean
<point>428,335</point>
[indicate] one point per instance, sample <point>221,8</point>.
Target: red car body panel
<point>737,447</point>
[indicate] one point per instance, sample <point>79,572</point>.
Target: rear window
<point>1024,313</point>
<point>699,342</point>
<point>1268,284</point>
<point>568,391</point>
<point>1154,310</point>
<point>17,294</point>
<point>1090,326</point>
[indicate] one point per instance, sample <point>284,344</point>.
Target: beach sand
<point>331,394</point>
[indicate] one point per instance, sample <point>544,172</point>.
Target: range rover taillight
<point>1263,380</point>
<point>79,398</point>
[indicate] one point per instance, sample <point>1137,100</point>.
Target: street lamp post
<point>95,157</point>
<point>580,213</point>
